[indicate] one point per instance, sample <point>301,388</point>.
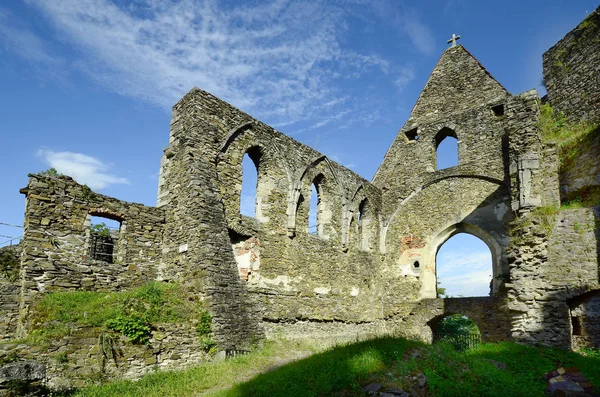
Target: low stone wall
<point>582,169</point>
<point>489,313</point>
<point>80,358</point>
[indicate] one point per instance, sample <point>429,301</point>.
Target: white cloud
<point>421,36</point>
<point>83,168</point>
<point>407,74</point>
<point>278,60</point>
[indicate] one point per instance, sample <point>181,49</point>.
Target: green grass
<point>488,370</point>
<point>59,313</point>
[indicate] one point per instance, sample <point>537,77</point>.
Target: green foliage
<point>50,172</point>
<point>137,329</point>
<point>100,229</point>
<point>555,129</point>
<point>9,264</point>
<point>457,324</point>
<point>503,369</point>
<point>590,352</point>
<point>589,196</point>
<point>440,290</point>
<point>204,332</point>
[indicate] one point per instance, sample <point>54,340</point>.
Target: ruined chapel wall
<point>56,239</point>
<point>572,71</point>
<point>291,274</point>
<point>460,96</point>
<point>196,247</point>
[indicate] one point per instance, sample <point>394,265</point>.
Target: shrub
<point>137,329</point>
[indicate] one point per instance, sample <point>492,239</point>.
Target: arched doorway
<point>464,267</point>
<point>457,329</point>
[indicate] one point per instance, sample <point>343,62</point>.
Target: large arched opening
<point>467,262</point>
<point>463,267</point>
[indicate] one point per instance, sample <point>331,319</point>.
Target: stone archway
<point>429,278</point>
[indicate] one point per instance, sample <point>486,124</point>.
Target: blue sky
<point>87,85</point>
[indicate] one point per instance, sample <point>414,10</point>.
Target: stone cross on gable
<point>453,40</point>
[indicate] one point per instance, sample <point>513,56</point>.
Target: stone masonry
<point>572,71</point>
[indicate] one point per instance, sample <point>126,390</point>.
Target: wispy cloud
<point>406,75</point>
<point>81,167</point>
<point>17,36</point>
<point>467,275</point>
<point>279,60</point>
<point>419,33</point>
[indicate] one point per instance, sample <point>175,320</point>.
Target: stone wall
<point>552,267</point>
<point>489,313</point>
<point>57,235</point>
<point>581,170</point>
<point>424,207</point>
<point>585,320</point>
<point>290,273</point>
<point>572,71</point>
<point>83,357</point>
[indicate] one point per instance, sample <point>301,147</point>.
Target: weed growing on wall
<point>539,221</point>
<point>131,313</point>
<point>568,137</point>
<point>9,264</point>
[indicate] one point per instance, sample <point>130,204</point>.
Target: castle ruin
<point>370,268</point>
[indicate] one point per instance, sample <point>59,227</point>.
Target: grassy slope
<point>342,370</point>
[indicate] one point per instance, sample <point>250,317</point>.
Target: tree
<point>457,324</point>
<point>100,229</point>
<point>440,290</point>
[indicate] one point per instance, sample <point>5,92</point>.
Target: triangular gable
<point>458,82</point>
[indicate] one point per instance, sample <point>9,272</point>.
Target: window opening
<point>313,210</point>
<point>416,265</point>
<point>446,144</point>
<point>464,267</point>
<point>365,226</point>
<point>498,110</point>
<point>413,134</point>
<point>249,186</point>
<point>576,325</point>
<point>104,234</point>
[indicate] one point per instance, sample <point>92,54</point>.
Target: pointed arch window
<point>446,149</point>
<point>249,205</point>
<point>319,215</point>
<point>366,224</point>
